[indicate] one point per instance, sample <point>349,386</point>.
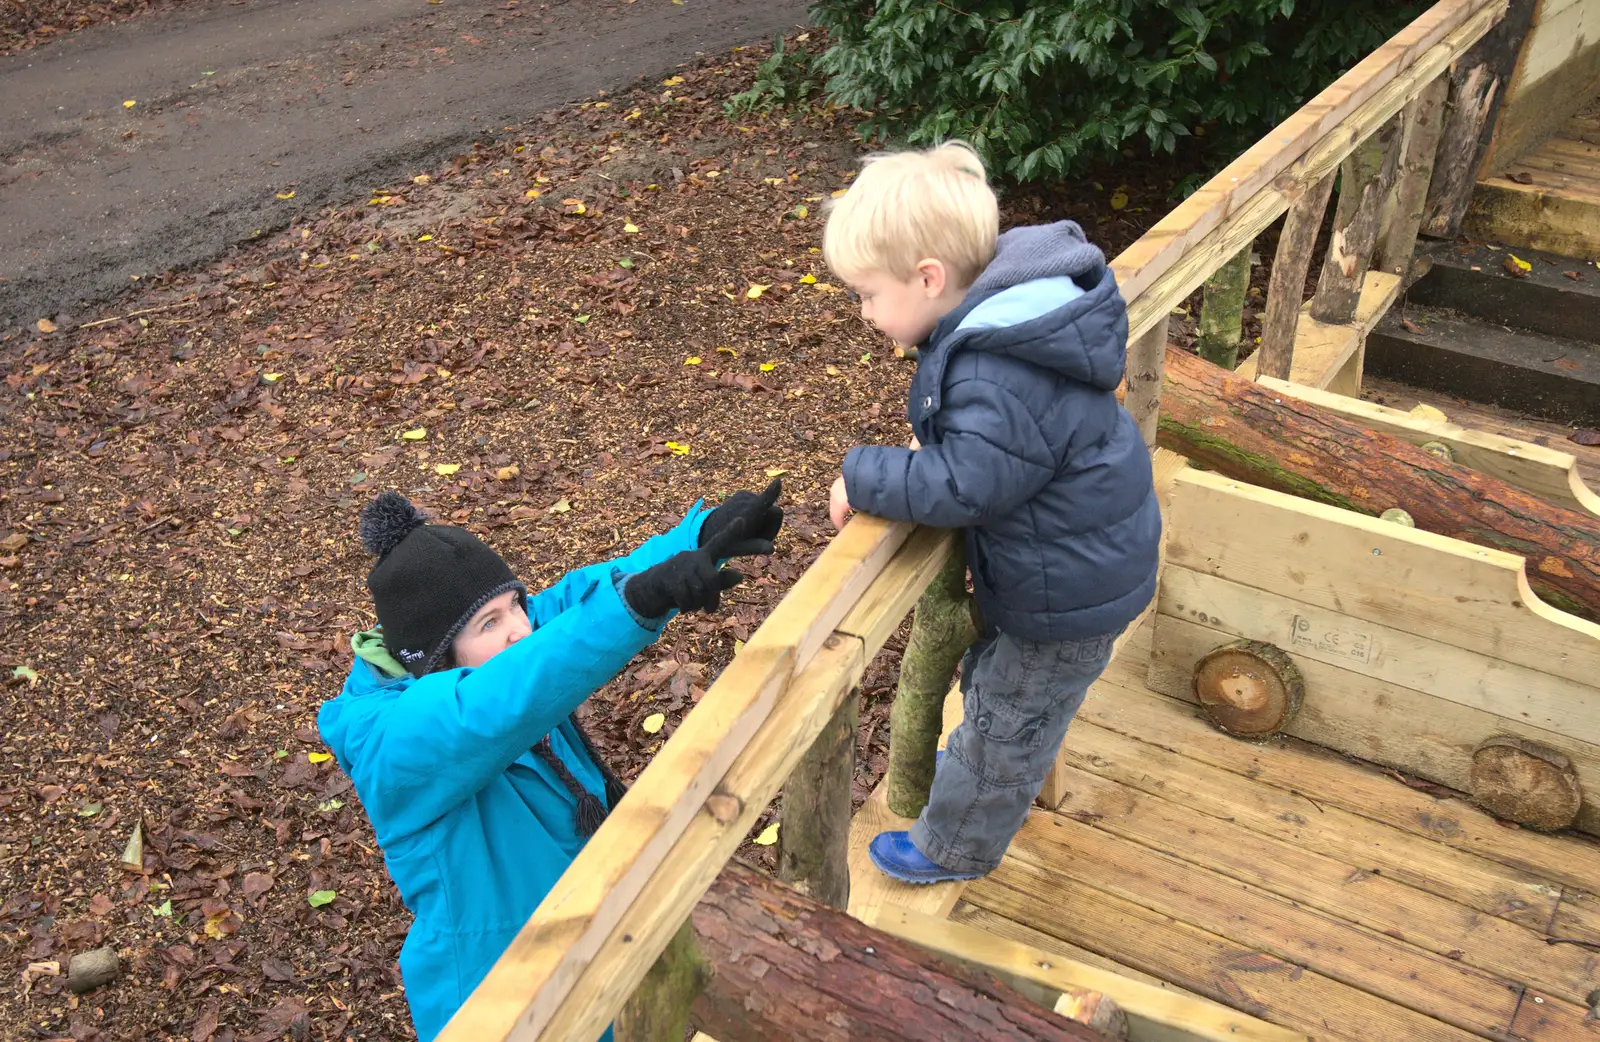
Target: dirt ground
<point>585,325</point>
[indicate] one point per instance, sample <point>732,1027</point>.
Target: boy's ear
<point>934,277</point>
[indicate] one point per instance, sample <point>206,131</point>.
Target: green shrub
<point>1043,89</point>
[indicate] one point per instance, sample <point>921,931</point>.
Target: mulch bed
<point>29,23</point>
<point>596,318</point>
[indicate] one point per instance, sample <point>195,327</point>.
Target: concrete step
<point>1554,378</point>
<point>1559,296</point>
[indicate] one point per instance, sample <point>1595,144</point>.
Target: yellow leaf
<point>653,723</point>
<point>532,193</point>
<point>319,757</point>
<point>630,228</point>
<point>130,103</point>
<point>769,835</point>
<point>1119,199</point>
<point>773,472</point>
<point>727,351</point>
<point>286,195</point>
<point>560,506</point>
<point>602,104</point>
<point>443,374</point>
<point>833,370</point>
<point>425,238</point>
<point>767,367</point>
<point>802,212</point>
<point>415,435</point>
<point>672,81</point>
<point>1524,265</point>
<point>773,180</point>
<point>272,378</point>
<point>809,280</point>
<point>507,473</point>
<point>840,193</point>
<point>444,470</point>
<point>755,290</point>
<point>678,448</point>
<point>46,326</point>
<point>218,927</point>
<point>635,114</point>
<point>422,179</point>
<point>692,360</point>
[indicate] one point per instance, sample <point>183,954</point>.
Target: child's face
<point>907,309</point>
<point>497,625</point>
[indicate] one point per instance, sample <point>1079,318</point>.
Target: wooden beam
<point>1547,473</point>
<point>1319,135</point>
<point>1222,311</point>
<point>1286,290</point>
<point>1166,265</point>
<point>534,978</point>
<point>1364,182</point>
<point>1147,355</point>
<point>814,842</point>
<point>1154,1014</point>
<point>1402,218</point>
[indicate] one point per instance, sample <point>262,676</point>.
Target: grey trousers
<point>1018,696</point>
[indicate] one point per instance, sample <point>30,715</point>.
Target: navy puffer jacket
<point>1025,446</point>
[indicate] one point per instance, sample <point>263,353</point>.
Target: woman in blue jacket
<point>455,722</point>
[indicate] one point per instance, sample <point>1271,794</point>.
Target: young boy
<point>1019,441</point>
<point>454,723</point>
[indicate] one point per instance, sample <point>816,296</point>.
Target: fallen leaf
<point>13,542</point>
<point>833,370</point>
<point>672,81</point>
<point>1586,437</point>
<point>582,320</point>
<point>532,193</point>
<point>415,434</point>
<point>133,853</point>
<point>322,897</point>
<point>425,238</point>
<point>444,470</point>
<point>164,909</point>
<point>767,367</point>
<point>421,179</point>
<point>1520,178</point>
<point>755,290</point>
<point>1568,364</point>
<point>272,378</point>
<point>330,805</point>
<point>286,195</point>
<point>1517,266</point>
<point>840,193</point>
<point>802,212</point>
<point>256,883</point>
<point>630,228</point>
<point>507,473</point>
<point>220,925</point>
<point>277,970</point>
<point>769,836</point>
<point>1119,199</point>
<point>654,722</point>
<point>1410,326</point>
<point>89,810</point>
<point>25,673</point>
<point>727,351</point>
<point>773,472</point>
<point>319,757</point>
<point>626,262</point>
<point>130,103</point>
<point>99,905</point>
<point>692,360</point>
<point>809,280</point>
<point>45,325</point>
<point>678,448</point>
<point>560,506</point>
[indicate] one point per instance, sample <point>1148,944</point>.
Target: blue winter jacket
<point>475,830</point>
<point>1025,446</point>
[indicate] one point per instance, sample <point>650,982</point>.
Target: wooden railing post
<point>1289,268</point>
<point>941,632</point>
<point>814,841</point>
<point>1364,180</point>
<point>1146,371</point>
<point>658,1010</point>
<point>1222,311</point>
<point>1402,212</point>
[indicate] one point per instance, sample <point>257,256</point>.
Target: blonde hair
<point>905,207</point>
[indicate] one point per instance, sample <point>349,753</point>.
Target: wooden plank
<point>880,611</point>
<point>1146,361</point>
<point>1241,975</point>
<point>1333,111</point>
<point>1402,973</point>
<point>1548,473</point>
<point>1465,878</point>
<point>1166,264</point>
<point>1424,122</point>
<point>870,889</point>
<point>1154,1014</point>
<point>1414,581</point>
<point>1331,780</point>
<point>1559,220</point>
<point>1433,667</point>
<point>1286,290</point>
<point>1330,885</point>
<point>533,980</point>
<point>1322,350</point>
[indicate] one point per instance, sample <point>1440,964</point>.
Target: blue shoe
<point>896,858</point>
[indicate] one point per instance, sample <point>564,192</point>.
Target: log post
<point>1286,291</point>
<point>1249,688</point>
<point>1364,180</point>
<point>1146,356</point>
<point>1477,83</point>
<point>1402,211</point>
<point>1222,311</point>
<point>1247,431</point>
<point>941,632</point>
<point>1527,782</point>
<point>658,1010</point>
<point>814,843</point>
<point>785,967</point>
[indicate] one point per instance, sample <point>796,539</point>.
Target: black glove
<point>762,517</point>
<point>691,580</point>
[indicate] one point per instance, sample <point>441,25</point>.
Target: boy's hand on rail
<point>838,503</point>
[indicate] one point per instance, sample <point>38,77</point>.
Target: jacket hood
<point>1047,298</point>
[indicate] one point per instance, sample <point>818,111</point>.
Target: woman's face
<point>496,626</point>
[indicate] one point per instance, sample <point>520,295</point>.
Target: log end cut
<point>1525,782</point>
<point>1249,688</point>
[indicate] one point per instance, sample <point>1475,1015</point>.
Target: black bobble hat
<point>429,580</point>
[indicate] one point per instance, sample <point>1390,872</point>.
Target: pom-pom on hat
<point>429,580</point>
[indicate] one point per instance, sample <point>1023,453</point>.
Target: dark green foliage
<point>1043,89</point>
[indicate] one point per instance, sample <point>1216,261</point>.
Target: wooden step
<point>1550,377</point>
<point>1559,296</point>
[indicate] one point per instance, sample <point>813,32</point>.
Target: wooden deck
<point>1287,882</point>
<point>1548,199</point>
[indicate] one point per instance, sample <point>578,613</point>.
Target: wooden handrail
<point>590,942</point>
